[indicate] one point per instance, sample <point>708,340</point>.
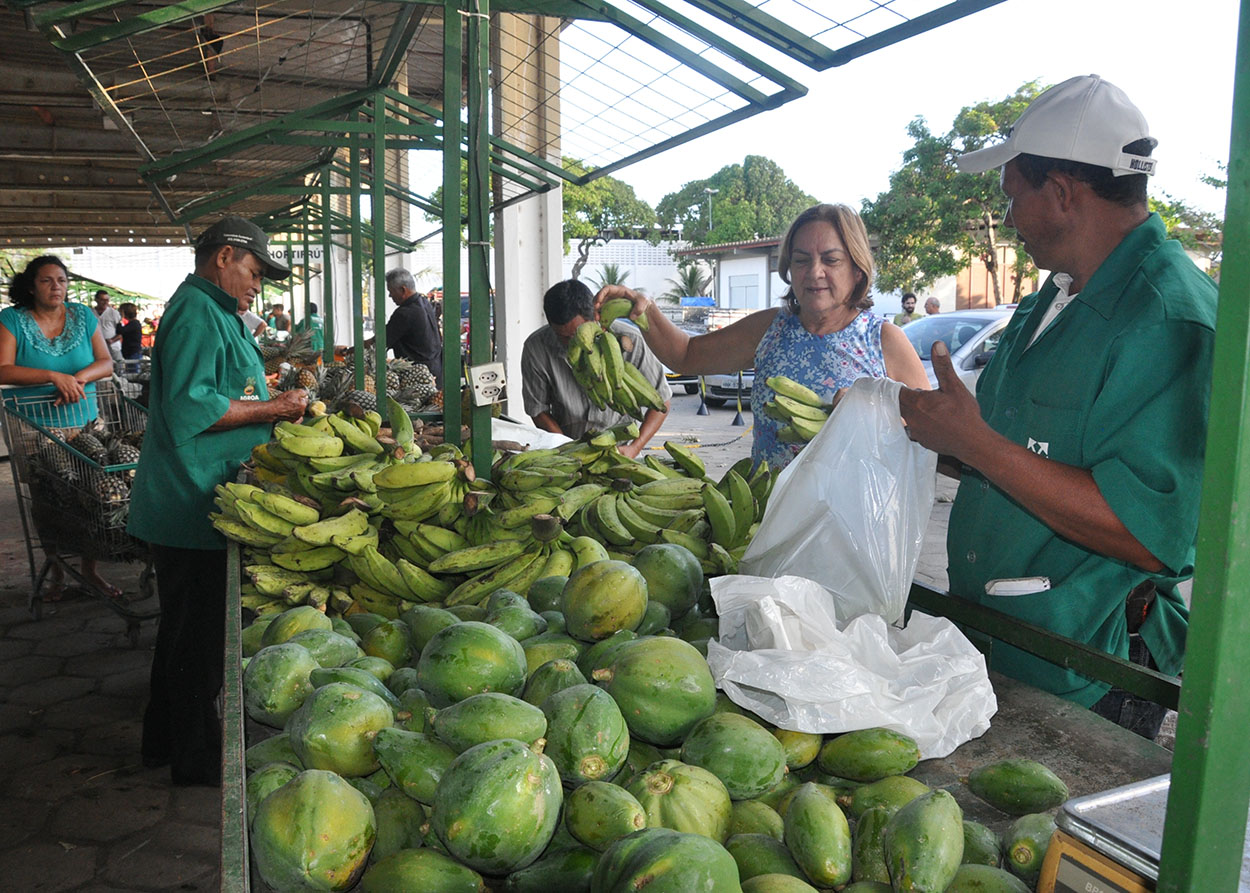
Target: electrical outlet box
<point>488,383</point>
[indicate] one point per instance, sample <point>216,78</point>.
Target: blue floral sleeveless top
<point>824,363</point>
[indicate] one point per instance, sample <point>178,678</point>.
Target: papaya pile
<point>346,516</point>
<point>573,740</point>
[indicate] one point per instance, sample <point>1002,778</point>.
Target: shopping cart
<point>73,488</point>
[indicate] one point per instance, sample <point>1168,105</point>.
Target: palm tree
<point>690,280</point>
<point>611,274</point>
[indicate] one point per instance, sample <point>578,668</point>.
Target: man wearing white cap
<point>1081,453</point>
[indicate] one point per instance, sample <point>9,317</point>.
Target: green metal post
<point>1205,827</point>
<point>307,270</point>
<point>327,269</point>
<point>358,299</point>
<point>453,66</point>
<point>478,136</point>
<point>378,212</point>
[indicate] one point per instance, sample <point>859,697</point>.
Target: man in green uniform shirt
<point>1082,452</point>
<point>208,407</point>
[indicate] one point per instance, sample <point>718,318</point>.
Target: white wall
<point>768,285</point>
<point>649,266</point>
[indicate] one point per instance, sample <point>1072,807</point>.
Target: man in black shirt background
<point>412,332</point>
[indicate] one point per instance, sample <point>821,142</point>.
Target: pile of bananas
<point>601,369</point>
<point>382,527</point>
<point>798,407</point>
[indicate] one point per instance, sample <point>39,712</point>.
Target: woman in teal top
<point>51,347</point>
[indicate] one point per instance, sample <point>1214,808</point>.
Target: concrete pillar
<point>529,234</point>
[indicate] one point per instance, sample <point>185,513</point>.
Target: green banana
<point>353,523</point>
<point>797,410</point>
<point>587,551</point>
<point>609,522</point>
<point>266,522</point>
<point>354,545</point>
<point>725,563</point>
<point>353,437</point>
<point>423,586</point>
<point>441,538</point>
<point>287,507</point>
<point>291,544</point>
<point>788,387</point>
<point>641,529</point>
<point>671,487</point>
<point>522,514</point>
<point>685,458</point>
<point>374,602</point>
<point>657,464</point>
<point>688,521</point>
<point>576,498</point>
<point>560,563</point>
<point>401,423</point>
<point>720,515</point>
<point>317,446</point>
<point>679,501</point>
<point>476,588</point>
<point>523,479</point>
<point>294,429</point>
<point>316,559</point>
<point>806,428</point>
<point>697,547</point>
<point>742,502</point>
<point>476,558</point>
<point>339,463</point>
<point>407,547</point>
<point>613,309</point>
<point>421,505</point>
<point>789,434</point>
<point>236,530</point>
<point>613,361</point>
<point>649,513</point>
<point>647,394</point>
<point>378,571</point>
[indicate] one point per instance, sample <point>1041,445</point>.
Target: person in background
<point>825,335</point>
<point>412,331</point>
<point>110,321</point>
<point>1081,454</point>
<point>53,350</point>
<point>909,313</point>
<point>932,307</point>
<point>132,337</point>
<point>552,396</point>
<point>313,323</point>
<point>208,408</point>
<point>278,320</point>
<point>254,323</point>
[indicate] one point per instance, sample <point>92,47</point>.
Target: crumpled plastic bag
<point>782,655</point>
<point>850,512</point>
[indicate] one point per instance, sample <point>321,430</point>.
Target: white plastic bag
<point>850,512</point>
<point>926,681</point>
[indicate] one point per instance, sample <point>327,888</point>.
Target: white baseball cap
<point>1083,119</point>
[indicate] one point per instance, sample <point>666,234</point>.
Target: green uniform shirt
<point>1119,385</point>
<point>203,358</point>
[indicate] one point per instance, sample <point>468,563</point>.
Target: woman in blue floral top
<point>50,346</point>
<point>825,335</point>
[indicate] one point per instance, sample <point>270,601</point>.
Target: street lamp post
<point>709,192</point>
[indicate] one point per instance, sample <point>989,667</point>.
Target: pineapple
<point>364,399</point>
<point>122,453</point>
<point>90,446</point>
<point>105,490</point>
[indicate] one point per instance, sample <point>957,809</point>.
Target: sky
<point>842,140</point>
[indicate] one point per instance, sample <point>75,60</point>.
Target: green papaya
<point>328,648</point>
<point>550,678</point>
<point>424,621</point>
<point>587,737</point>
<point>758,854</point>
<point>468,612</point>
<point>414,762</point>
<point>1025,843</point>
<point>399,819</point>
<point>655,618</point>
<point>390,640</point>
<point>292,621</point>
<point>1018,787</point>
<point>869,754</point>
<point>363,621</point>
<point>972,878</point>
<point>924,843</point>
<point>801,748</point>
<point>365,786</point>
<point>598,813</point>
<point>422,869</point>
<point>819,837</point>
<point>641,755</point>
<point>780,883</point>
<point>313,833</point>
<point>868,848</point>
<point>756,817</point>
<point>550,646</point>
<point>566,869</point>
<point>487,717</point>
<point>470,658</point>
<point>265,780</point>
<point>343,628</point>
<point>744,755</point>
<point>662,685</point>
<point>601,654</point>
<point>545,594</point>
<point>683,798</point>
<point>274,749</point>
<point>497,806</point>
<point>867,887</point>
<point>982,846</point>
<point>334,729</point>
<point>778,792</point>
<point>665,861</point>
<point>354,676</point>
<point>517,621</point>
<point>413,712</point>
<point>892,792</point>
<point>378,667</point>
<point>253,635</point>
<point>601,598</point>
<point>673,574</point>
<point>403,679</point>
<point>275,683</point>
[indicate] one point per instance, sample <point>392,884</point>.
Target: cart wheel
<point>132,633</point>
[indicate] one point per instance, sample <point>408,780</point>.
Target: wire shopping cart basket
<point>72,475</point>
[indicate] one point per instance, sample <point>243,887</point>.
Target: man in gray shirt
<point>110,323</point>
<point>553,398</point>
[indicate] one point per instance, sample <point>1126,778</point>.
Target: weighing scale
<point>1110,842</point>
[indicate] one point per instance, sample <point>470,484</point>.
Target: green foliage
<point>609,274</point>
<point>1200,232</point>
<point>934,219</point>
<point>754,199</point>
<point>600,210</point>
<point>691,280</point>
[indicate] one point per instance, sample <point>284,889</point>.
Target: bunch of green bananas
<point>513,564</point>
<point>611,382</point>
<point>798,407</point>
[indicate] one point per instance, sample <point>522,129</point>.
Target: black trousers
<point>1127,710</point>
<point>181,726</point>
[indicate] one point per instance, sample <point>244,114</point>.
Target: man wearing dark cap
<point>208,408</point>
<point>1082,451</point>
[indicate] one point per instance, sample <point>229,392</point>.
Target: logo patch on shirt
<point>1041,447</point>
<point>249,389</point>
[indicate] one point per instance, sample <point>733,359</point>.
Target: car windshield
<point>956,331</point>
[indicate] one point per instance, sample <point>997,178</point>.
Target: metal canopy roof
<point>124,122</point>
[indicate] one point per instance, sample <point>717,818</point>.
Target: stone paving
<point>82,814</point>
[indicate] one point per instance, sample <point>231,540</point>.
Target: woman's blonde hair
<point>850,229</point>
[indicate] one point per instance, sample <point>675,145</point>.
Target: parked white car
<point>970,335</point>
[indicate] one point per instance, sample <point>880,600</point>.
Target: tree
<point>691,280</point>
<point>610,274</point>
<point>738,203</point>
<point>599,211</point>
<point>1200,232</point>
<point>934,219</point>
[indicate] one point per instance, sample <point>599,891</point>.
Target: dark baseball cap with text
<point>244,234</point>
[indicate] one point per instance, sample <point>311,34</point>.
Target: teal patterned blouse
<point>68,352</point>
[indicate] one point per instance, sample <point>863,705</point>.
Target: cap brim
<point>987,159</point>
<point>273,268</point>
